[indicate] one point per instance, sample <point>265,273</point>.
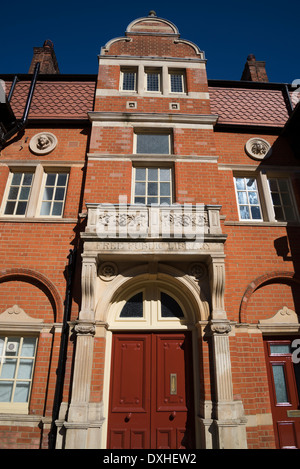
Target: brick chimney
<point>255,70</point>
<point>46,56</point>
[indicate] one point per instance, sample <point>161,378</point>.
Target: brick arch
<point>258,282</point>
<point>32,276</point>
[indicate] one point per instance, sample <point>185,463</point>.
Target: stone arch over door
<point>185,290</point>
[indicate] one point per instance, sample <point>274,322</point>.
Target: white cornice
<point>207,119</point>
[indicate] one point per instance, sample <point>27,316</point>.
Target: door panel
<point>130,400</point>
<point>151,402</point>
<point>284,392</point>
<point>171,405</point>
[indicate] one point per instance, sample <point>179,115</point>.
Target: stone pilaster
<point>228,414</point>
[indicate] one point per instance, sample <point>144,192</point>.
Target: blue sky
<point>226,31</point>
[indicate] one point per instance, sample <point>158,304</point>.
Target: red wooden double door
<point>151,392</point>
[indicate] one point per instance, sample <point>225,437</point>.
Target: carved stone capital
<point>83,328</point>
<point>220,327</point>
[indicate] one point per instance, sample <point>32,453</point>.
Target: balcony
<point>177,222</point>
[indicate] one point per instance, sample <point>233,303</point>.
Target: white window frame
<point>264,195</point>
<point>180,72</point>
<point>43,185</point>
<point>36,192</point>
<point>7,190</point>
<point>147,167</point>
<point>17,407</point>
<point>248,204</point>
<point>266,176</point>
<point>125,70</point>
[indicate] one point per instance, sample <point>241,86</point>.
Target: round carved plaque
<point>108,271</point>
<point>43,143</point>
<point>258,148</point>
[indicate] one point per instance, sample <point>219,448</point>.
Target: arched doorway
<point>152,387</point>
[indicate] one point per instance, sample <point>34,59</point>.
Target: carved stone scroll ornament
<point>43,143</point>
<point>258,148</point>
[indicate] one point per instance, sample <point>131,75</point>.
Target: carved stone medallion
<point>258,148</point>
<point>108,271</point>
<point>43,143</point>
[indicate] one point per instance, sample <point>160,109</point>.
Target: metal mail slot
<point>293,413</point>
<point>173,384</point>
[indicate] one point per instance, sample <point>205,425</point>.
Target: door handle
<point>173,415</point>
<point>128,417</point>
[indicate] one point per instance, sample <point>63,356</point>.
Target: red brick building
<point>149,293</point>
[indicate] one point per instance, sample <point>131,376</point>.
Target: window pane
<point>46,207</point>
<point>152,174</point>
<point>255,212</point>
<point>21,208</point>
<point>244,212</point>
<point>12,346</point>
<point>289,213</point>
<point>169,307</point>
<point>283,185</point>
<point>152,200</point>
<point>240,183</point>
<point>164,188</point>
<point>279,213</point>
<point>242,197</point>
<point>59,193</point>
<point>25,369</point>
<point>24,194</point>
<point>139,200</point>
<point>279,381</point>
<point>165,174</point>
<point>140,188</point>
<point>9,368</point>
<point>152,188</point>
<point>10,207</point>
<point>140,174</point>
<point>280,348</point>
<point>16,179</point>
<point>133,307</point>
<point>13,193</point>
<point>6,388</point>
<point>62,179</point>
<point>251,184</point>
<point>28,347</point>
<point>276,198</point>
<point>22,392</point>
<point>50,181</point>
<point>153,143</point>
<point>165,201</point>
<point>48,193</point>
<point>27,180</point>
<point>57,208</point>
